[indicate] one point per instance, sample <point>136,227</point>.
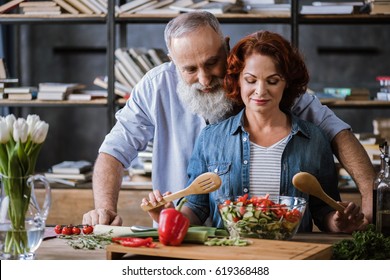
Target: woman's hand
<point>348,221</point>
<point>154,198</point>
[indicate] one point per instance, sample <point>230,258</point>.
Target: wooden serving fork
<point>204,183</point>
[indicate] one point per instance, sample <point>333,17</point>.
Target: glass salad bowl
<point>262,217</point>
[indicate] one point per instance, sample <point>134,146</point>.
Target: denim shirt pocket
<point>222,169</point>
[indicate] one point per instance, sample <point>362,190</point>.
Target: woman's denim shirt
<point>224,148</point>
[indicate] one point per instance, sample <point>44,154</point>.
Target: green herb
<point>364,245</point>
<point>89,241</point>
<point>226,241</point>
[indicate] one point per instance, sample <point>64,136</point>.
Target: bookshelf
<point>115,23</point>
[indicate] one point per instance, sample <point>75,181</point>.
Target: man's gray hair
<point>189,22</point>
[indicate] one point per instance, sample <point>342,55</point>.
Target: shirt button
<point>215,170</point>
<point>245,190</point>
<point>244,139</point>
<point>245,162</point>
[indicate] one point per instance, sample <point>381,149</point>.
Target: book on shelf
<point>9,80</point>
<point>68,182</point>
<point>72,167</point>
<point>124,57</point>
<point>121,78</point>
<point>20,89</point>
<point>120,89</point>
<point>132,5</point>
<point>21,96</point>
<point>218,7</point>
<point>142,57</point>
<point>80,7</point>
<point>10,5</point>
<point>57,91</point>
<point>159,11</point>
<point>86,95</point>
<point>327,9</point>
<point>67,7</point>
<point>82,176</point>
<point>158,56</point>
<point>144,6</point>
<point>126,74</point>
<point>41,9</point>
<point>91,5</point>
<point>59,87</point>
<point>270,9</point>
<point>21,93</point>
<point>98,4</point>
<point>42,4</point>
<point>156,6</point>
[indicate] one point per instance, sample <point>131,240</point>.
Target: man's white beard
<point>212,106</point>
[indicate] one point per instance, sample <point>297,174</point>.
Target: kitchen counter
<point>57,249</point>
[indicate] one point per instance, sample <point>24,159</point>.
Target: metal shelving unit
<point>112,21</point>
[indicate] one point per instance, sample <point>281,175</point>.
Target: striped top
<point>265,167</point>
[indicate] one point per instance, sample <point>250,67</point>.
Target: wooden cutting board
<point>260,249</point>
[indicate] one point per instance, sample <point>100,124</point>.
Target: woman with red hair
<point>258,151</point>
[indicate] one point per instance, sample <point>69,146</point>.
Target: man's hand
<point>103,217</point>
<point>348,221</point>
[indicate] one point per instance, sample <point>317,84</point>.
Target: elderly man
<point>174,101</point>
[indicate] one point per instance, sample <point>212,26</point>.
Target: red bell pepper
<point>173,225</point>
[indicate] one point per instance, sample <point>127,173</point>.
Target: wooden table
<point>57,249</point>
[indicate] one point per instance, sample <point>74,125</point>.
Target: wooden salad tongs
<point>307,183</point>
<point>204,183</point>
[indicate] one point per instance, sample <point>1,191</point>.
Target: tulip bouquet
<point>20,143</point>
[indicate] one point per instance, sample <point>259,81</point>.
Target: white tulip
<point>4,133</point>
<point>39,134</point>
<point>10,120</point>
<point>20,132</point>
<point>32,121</point>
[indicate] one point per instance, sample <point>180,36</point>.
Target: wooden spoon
<point>204,183</point>
<point>307,183</point>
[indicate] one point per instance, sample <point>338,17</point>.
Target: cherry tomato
<point>87,229</point>
<point>67,230</point>
<point>76,230</point>
<point>58,229</point>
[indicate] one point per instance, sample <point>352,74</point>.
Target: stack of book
<point>331,8</point>
<point>267,7</point>
<point>6,83</point>
<point>57,91</point>
<point>130,66</point>
<point>177,6</point>
<point>57,7</point>
<point>348,93</point>
<point>378,7</point>
<point>202,5</point>
<point>70,172</point>
<point>384,88</point>
<point>21,93</point>
<point>40,8</point>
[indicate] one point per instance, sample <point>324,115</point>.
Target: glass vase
<point>22,216</point>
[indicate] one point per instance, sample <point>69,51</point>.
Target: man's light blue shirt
<point>155,113</point>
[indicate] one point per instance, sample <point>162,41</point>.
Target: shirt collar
<point>298,126</point>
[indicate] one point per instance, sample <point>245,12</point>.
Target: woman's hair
<point>289,64</point>
<point>189,22</point>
